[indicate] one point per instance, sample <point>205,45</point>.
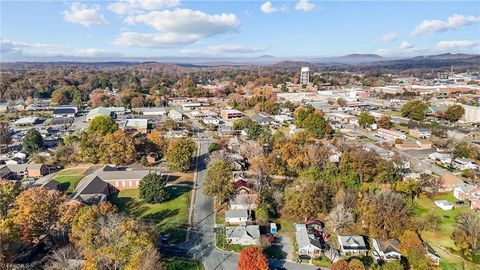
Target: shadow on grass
<point>176,191</point>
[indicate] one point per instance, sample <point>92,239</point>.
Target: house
<point>237,216</point>
<point>175,115</point>
<point>464,164</point>
<point>443,158</point>
<point>386,249</point>
<point>135,126</point>
<point>423,133</point>
<point>449,182</point>
<point>390,135</point>
<point>230,114</point>
<point>465,191</point>
<point>244,201</point>
<point>27,121</point>
<point>263,119</point>
<point>242,187</point>
<point>225,130</point>
<point>92,190</point>
<point>65,111</point>
<point>210,120</point>
<point>307,243</point>
<point>150,111</point>
<point>444,204</point>
<point>281,118</point>
<point>152,157</point>
<point>243,235</point>
<point>99,111</point>
<point>352,245</point>
<point>20,171</point>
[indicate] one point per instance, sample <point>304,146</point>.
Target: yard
<point>69,178</point>
<point>440,239</point>
<point>182,264</point>
<point>169,217</point>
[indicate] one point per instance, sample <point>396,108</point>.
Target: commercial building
<point>230,114</point>
<point>472,114</point>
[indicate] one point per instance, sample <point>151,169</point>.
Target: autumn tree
<point>385,213</point>
<point>102,125</point>
<point>252,258</point>
<point>454,113</point>
<point>38,212</point>
<point>393,265</point>
<point>411,246</point>
<point>109,240</point>
<point>306,199</point>
<point>340,265</point>
<point>156,142</point>
<point>152,188</point>
<point>409,187</point>
<point>117,148</point>
<point>365,119</point>
<point>218,181</point>
<point>8,192</point>
<point>5,137</point>
<point>414,110</point>
<point>100,98</point>
<point>385,122</point>
<point>32,141</point>
<point>67,95</point>
<point>467,234</point>
<point>356,264</point>
<point>180,152</point>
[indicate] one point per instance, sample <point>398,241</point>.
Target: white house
<point>386,249</point>
<point>237,216</point>
<point>243,235</point>
<point>352,245</point>
<point>443,158</point>
<point>390,134</point>
<point>307,244</point>
<point>464,164</point>
<point>175,115</point>
<point>444,204</point>
<point>210,120</point>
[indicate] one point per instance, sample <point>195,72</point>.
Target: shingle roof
<point>237,213</point>
<point>352,241</point>
<point>240,231</point>
<point>89,185</point>
<point>387,246</point>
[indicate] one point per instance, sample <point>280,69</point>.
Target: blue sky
<point>296,29</point>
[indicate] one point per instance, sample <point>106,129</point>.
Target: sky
<point>46,29</point>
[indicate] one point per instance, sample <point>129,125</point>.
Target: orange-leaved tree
<point>252,258</point>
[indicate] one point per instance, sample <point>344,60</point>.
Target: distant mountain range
<point>346,62</point>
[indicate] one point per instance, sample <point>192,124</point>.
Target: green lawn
<point>182,264</point>
<point>221,242</point>
<point>440,239</point>
<point>169,217</point>
<point>69,178</point>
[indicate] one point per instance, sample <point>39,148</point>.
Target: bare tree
<point>67,257</point>
<point>341,217</point>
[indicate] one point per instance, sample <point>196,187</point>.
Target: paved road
<point>202,236</point>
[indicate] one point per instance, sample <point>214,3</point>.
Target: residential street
<point>202,236</point>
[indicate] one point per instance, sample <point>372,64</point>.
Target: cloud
<point>220,49</point>
<point>156,40</point>
<point>18,49</point>
<point>268,8</point>
<point>176,28</point>
<point>124,7</point>
<point>187,21</point>
<point>304,5</point>
<point>83,15</point>
<point>437,26</point>
<point>457,44</point>
<point>390,37</point>
<point>406,45</point>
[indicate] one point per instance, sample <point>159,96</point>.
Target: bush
<point>152,188</point>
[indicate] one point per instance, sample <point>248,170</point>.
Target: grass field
<point>182,264</point>
<point>169,217</point>
<point>440,239</point>
<point>69,178</point>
